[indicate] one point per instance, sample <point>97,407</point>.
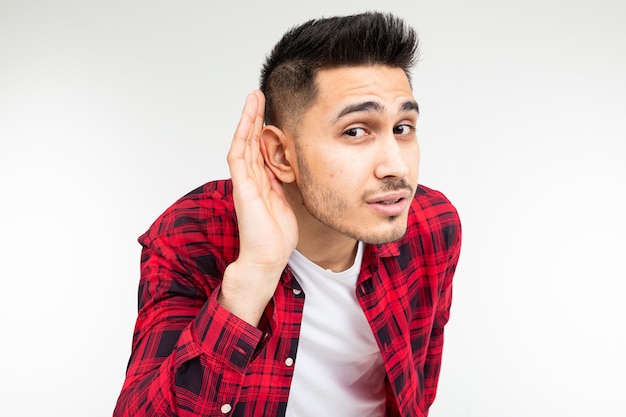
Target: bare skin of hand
<point>268,230</point>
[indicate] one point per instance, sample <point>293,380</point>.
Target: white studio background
<point>111,110</point>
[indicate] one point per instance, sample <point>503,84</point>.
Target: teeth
<point>389,202</point>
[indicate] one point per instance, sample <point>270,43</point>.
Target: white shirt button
<point>289,361</point>
<point>226,408</point>
<point>297,291</point>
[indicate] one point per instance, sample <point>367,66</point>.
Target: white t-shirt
<point>338,368</point>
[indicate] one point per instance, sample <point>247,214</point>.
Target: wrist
<point>247,289</point>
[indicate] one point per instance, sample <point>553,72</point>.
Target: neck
<point>317,241</point>
<point>322,244</point>
<point>332,255</point>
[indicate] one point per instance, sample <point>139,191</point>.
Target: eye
<point>403,130</point>
<point>355,132</point>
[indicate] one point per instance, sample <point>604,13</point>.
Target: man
<point>318,280</point>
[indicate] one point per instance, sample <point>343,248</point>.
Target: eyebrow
<point>409,105</point>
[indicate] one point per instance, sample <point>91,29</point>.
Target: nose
<point>394,158</point>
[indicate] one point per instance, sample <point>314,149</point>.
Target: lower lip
<point>389,210</point>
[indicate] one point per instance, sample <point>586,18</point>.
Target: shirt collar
<point>385,250</point>
<point>372,253</point>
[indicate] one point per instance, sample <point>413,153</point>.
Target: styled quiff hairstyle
<point>288,75</point>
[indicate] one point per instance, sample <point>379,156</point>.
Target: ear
<point>278,152</point>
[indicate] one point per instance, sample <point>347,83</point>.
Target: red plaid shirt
<point>192,357</point>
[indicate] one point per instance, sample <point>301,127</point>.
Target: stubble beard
<point>329,208</point>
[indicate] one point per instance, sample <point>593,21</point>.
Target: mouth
<point>390,204</point>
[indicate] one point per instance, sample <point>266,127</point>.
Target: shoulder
<point>208,206</point>
<point>433,214</point>
<point>429,204</point>
<point>427,198</point>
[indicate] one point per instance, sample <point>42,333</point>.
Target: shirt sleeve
<point>189,354</point>
<point>432,366</point>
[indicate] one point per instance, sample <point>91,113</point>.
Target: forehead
<point>337,87</point>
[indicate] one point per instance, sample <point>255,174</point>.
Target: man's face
<point>357,155</point>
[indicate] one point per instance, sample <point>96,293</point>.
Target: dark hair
<point>372,38</point>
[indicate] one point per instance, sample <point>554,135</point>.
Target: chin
<point>379,240</point>
<point>382,236</point>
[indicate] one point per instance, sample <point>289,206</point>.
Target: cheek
<point>412,155</point>
<point>345,170</point>
<point>327,165</point>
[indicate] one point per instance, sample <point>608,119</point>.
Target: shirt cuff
<point>222,334</point>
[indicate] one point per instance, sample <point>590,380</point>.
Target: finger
<point>253,146</point>
<point>242,132</point>
<point>261,109</point>
<point>275,184</point>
